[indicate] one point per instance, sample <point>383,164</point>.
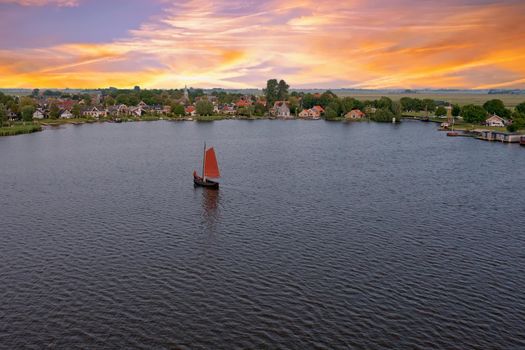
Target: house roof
<point>495,116</point>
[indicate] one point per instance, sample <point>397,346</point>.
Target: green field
<point>19,129</point>
<point>460,98</point>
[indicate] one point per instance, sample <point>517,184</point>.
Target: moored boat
<point>452,133</point>
<point>522,141</point>
<point>210,169</point>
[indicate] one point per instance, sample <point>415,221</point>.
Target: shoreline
<point>22,128</point>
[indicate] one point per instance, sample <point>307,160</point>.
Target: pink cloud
<point>60,3</point>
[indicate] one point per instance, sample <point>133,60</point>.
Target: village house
<point>318,109</point>
<point>243,102</point>
<point>12,115</point>
<point>191,111</point>
<point>281,110</point>
<point>95,112</point>
<point>228,110</point>
<point>119,110</point>
<point>39,114</point>
<point>355,114</point>
<point>310,114</point>
<point>66,104</point>
<point>66,114</point>
<point>136,111</point>
<point>495,120</point>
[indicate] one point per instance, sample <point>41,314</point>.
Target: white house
<point>137,111</point>
<point>39,114</point>
<point>281,110</point>
<point>66,115</point>
<point>495,120</point>
<point>94,112</point>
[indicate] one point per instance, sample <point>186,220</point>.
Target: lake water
<point>323,235</point>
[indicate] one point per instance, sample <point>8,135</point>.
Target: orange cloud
<point>338,43</point>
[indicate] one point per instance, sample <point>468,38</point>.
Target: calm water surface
<point>323,236</point>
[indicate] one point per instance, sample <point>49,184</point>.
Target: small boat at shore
<point>210,169</point>
<point>452,133</point>
<point>522,141</point>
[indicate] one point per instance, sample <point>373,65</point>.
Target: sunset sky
<point>241,44</point>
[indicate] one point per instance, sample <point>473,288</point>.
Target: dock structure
<point>506,137</point>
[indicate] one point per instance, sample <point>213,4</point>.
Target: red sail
<point>211,168</point>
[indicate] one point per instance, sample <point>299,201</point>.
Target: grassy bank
<point>460,98</point>
<point>210,118</point>
<point>18,129</point>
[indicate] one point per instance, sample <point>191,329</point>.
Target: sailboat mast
<point>204,162</point>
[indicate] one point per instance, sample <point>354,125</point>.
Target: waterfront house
<point>243,103</point>
<point>136,111</point>
<point>495,120</point>
<point>227,109</point>
<point>39,114</point>
<point>281,110</point>
<point>95,112</point>
<point>319,109</point>
<point>119,110</point>
<point>66,114</point>
<point>12,115</point>
<point>311,113</point>
<point>191,111</point>
<point>355,114</point>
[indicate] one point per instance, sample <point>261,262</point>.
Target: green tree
<point>456,110</point>
<point>521,107</point>
<point>35,92</point>
<point>473,114</point>
<point>294,105</point>
<point>204,107</point>
<point>384,102</point>
<point>76,110</point>
<point>330,113</point>
<point>109,101</point>
<point>259,109</point>
<point>326,98</point>
<point>518,121</point>
<point>246,111</point>
<point>177,109</point>
<point>350,103</point>
<point>496,106</point>
<point>407,104</point>
<point>382,115</point>
<point>282,91</point>
<point>441,111</point>
<point>428,105</point>
<point>271,92</point>
<point>54,111</point>
<point>26,101</point>
<point>3,114</point>
<point>396,110</point>
<point>27,113</point>
<point>309,101</point>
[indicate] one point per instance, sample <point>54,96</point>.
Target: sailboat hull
<point>200,182</point>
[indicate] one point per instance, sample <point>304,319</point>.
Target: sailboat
<point>210,169</point>
<point>452,132</point>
